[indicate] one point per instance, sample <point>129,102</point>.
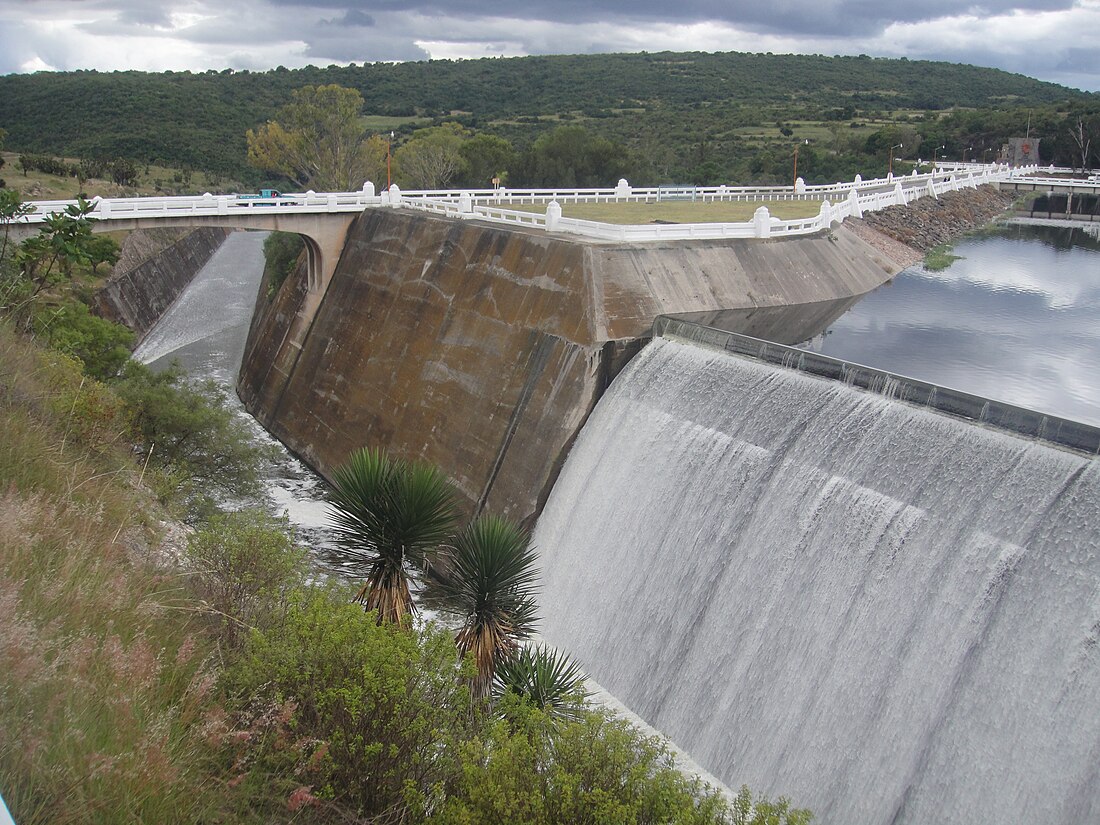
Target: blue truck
<point>267,197</point>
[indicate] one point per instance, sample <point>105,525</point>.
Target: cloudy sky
<point>1057,40</point>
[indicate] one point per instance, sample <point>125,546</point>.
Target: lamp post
<point>890,168</point>
<point>389,151</point>
<point>967,149</point>
<point>794,184</point>
<point>934,152</point>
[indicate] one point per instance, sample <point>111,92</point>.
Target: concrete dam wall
<point>483,349</point>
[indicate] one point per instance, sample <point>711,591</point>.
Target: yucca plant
<point>548,679</point>
<point>393,516</point>
<point>489,584</point>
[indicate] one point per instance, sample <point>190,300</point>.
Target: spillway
<point>885,613</point>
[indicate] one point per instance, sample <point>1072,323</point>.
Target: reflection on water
<point>205,330</point>
<point>1016,319</point>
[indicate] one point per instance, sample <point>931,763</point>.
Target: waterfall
<point>885,613</point>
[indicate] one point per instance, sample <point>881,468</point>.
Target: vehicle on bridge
<point>266,197</point>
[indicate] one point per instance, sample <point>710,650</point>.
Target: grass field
<point>679,211</point>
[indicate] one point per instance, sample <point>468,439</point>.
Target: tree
<point>102,249</point>
<point>489,582</point>
<point>317,140</point>
<point>392,515</point>
<point>433,157</point>
<point>64,237</point>
<point>571,156</point>
<point>1081,133</point>
<point>486,157</point>
<point>12,208</point>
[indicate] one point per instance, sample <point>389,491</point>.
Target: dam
<point>886,613</point>
<point>819,590</point>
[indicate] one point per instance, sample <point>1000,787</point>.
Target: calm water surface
<point>1016,319</point>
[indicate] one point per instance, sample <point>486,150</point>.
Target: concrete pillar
<point>103,206</point>
<point>853,202</point>
<point>553,216</point>
<point>826,214</point>
<point>899,195</point>
<point>799,185</point>
<point>932,188</point>
<point>223,205</point>
<point>332,202</point>
<point>368,190</point>
<point>762,222</point>
<point>395,196</point>
<point>622,189</point>
<point>858,179</point>
<point>466,203</point>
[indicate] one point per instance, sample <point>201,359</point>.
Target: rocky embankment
<point>926,223</point>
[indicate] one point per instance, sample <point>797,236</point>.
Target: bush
<point>368,716</point>
<point>101,345</point>
<point>245,564</point>
<point>193,435</point>
<point>281,252</point>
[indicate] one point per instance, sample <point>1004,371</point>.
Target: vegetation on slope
<point>713,118</point>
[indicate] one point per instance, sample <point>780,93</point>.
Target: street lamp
<point>934,152</point>
<point>890,168</point>
<point>389,151</point>
<point>967,149</point>
<point>797,146</point>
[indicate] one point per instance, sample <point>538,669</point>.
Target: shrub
<point>192,435</point>
<point>244,566</point>
<point>371,714</point>
<point>102,346</point>
<point>536,769</point>
<point>281,252</point>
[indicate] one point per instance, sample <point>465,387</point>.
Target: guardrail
<point>838,201</point>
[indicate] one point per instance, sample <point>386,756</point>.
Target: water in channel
<point>205,330</point>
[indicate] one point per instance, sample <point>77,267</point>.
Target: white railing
<point>838,201</point>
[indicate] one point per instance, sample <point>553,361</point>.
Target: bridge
<point>323,219</point>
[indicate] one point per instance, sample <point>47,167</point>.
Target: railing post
<point>826,214</point>
<point>368,190</point>
<point>853,203</point>
<point>761,222</point>
<point>333,202</point>
<point>622,189</point>
<point>799,186</point>
<point>899,194</point>
<point>395,196</point>
<point>932,188</point>
<point>466,203</point>
<point>223,205</point>
<point>103,207</point>
<point>553,216</point>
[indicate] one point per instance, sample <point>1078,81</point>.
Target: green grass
<point>679,211</point>
<point>385,123</point>
<point>940,257</point>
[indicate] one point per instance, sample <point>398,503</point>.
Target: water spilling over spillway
<point>885,613</point>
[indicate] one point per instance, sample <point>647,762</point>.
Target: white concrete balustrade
<point>838,201</point>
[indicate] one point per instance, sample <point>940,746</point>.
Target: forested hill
<point>199,120</point>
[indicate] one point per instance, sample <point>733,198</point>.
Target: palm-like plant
<point>548,679</point>
<point>490,584</point>
<point>392,515</point>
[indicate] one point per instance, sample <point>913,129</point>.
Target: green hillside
<point>691,115</point>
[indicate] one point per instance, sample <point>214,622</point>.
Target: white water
<point>884,613</point>
<point>206,331</point>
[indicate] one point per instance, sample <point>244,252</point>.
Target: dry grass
<point>101,698</point>
<point>679,211</point>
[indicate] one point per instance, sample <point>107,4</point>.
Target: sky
<point>1055,40</point>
